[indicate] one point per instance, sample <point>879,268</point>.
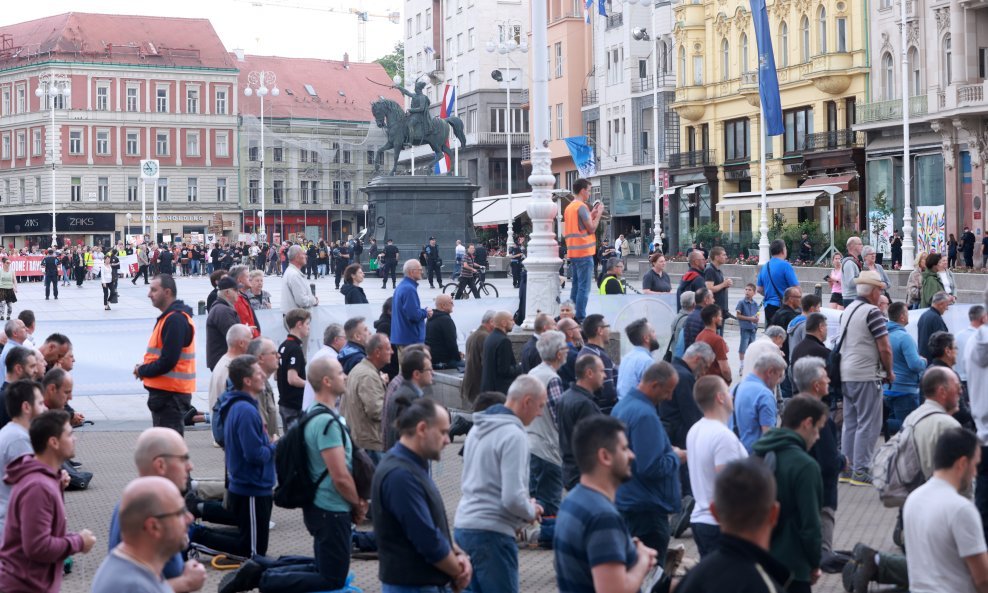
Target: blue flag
<point>768,79</point>
<point>600,7</point>
<point>586,11</point>
<point>582,155</point>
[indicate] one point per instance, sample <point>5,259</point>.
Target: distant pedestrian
<point>8,288</point>
<point>433,262</point>
<point>390,259</point>
<point>49,265</point>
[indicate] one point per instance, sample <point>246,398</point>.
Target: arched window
<point>804,39</point>
<point>682,65</point>
<point>744,52</point>
<point>888,77</point>
<point>725,60</point>
<point>914,72</point>
<point>822,29</point>
<point>783,44</point>
<point>946,71</point>
<point>661,58</point>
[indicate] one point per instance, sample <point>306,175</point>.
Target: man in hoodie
<point>693,279</point>
<point>902,397</point>
<point>222,316</point>
<point>440,335</point>
<point>355,349</point>
<point>408,315</point>
<point>35,540</point>
<point>249,462</point>
<point>796,540</point>
<point>976,363</point>
<point>653,493</point>
<point>495,501</point>
<point>169,368</point>
<point>24,402</point>
<point>291,366</point>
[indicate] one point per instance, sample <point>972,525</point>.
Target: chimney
<point>346,60</point>
<point>240,54</point>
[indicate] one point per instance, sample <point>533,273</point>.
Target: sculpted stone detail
<point>942,16</point>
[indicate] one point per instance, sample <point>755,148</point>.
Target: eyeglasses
<point>179,513</point>
<point>184,458</point>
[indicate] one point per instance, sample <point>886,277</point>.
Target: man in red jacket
<point>35,541</point>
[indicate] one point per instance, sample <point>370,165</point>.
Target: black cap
<point>226,283</point>
<point>432,238</point>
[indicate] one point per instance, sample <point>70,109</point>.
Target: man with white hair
<point>755,409</point>
<point>931,322</point>
<point>407,314</point>
<point>237,339</point>
<point>769,342</point>
<point>681,412</point>
<point>295,293</point>
<point>866,363</point>
<point>333,340</point>
<point>850,268</point>
<point>976,363</point>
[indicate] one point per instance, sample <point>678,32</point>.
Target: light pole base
<point>542,263</point>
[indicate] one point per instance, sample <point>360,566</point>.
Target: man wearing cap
<point>222,316</point>
<point>866,363</point>
<point>433,262</point>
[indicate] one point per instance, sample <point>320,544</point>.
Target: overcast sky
<point>266,30</point>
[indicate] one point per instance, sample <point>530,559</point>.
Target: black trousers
<point>434,268</point>
<point>142,271</point>
<point>252,515</point>
<point>389,268</point>
<point>107,290</point>
<point>464,283</point>
<point>52,282</point>
<point>80,276</point>
<point>168,409</point>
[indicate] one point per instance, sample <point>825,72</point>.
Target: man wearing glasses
<point>160,452</point>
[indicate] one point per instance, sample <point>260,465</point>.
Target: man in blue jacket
<point>408,315</point>
<point>653,492</point>
<point>903,396</point>
<point>775,277</point>
<point>249,461</point>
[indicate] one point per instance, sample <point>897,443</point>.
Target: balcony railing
<point>589,97</point>
<point>614,20</point>
<point>890,110</point>
<point>749,79</point>
<point>665,79</point>
<point>832,140</point>
<point>526,152</point>
<point>970,93</point>
<point>497,138</point>
<point>694,158</point>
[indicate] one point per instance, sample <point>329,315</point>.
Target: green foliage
<point>792,234</point>
<point>394,63</point>
<point>709,234</point>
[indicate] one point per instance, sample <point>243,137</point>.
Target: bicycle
<point>484,288</point>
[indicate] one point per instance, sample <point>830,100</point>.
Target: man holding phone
<point>580,224</point>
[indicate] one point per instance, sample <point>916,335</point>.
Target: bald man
<point>162,452</point>
<point>440,335</point>
<point>154,525</point>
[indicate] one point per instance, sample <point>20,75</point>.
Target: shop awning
<point>840,181</point>
<point>493,210</point>
<point>785,198</point>
<point>691,189</point>
<point>671,190</point>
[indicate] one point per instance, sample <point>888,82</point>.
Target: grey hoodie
<point>976,357</point>
<point>495,474</point>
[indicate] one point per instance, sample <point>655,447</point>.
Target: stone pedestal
<point>410,209</point>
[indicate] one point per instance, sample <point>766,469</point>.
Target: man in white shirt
<point>295,293</point>
<point>333,340</point>
<point>978,316</point>
<point>769,342</point>
<point>237,339</point>
<point>943,530</point>
<point>710,445</point>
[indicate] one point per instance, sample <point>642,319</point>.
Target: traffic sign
<point>149,169</point>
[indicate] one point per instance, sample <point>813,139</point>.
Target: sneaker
<point>860,479</point>
<point>847,576</point>
<point>245,578</point>
<point>679,522</point>
<point>845,477</point>
<point>867,568</point>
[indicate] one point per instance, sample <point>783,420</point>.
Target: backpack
<point>833,364</point>
<point>216,420</point>
<point>895,469</point>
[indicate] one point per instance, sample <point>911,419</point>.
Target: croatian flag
<point>768,79</point>
<point>444,165</point>
<point>586,11</point>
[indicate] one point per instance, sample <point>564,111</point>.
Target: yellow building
<point>821,54</point>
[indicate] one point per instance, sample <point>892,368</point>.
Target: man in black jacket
<point>681,412</point>
<point>434,265</point>
<point>575,404</point>
<point>529,355</point>
<point>930,322</point>
<point>222,316</point>
<point>390,263</point>
<point>693,279</point>
<point>813,342</point>
<point>440,335</point>
<point>500,367</point>
<point>745,507</point>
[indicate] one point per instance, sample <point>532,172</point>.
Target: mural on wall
<point>931,228</point>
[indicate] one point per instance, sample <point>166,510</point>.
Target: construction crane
<point>363,16</point>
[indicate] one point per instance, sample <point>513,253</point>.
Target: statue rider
<point>418,112</point>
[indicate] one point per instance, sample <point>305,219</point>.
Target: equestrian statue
<point>414,128</point>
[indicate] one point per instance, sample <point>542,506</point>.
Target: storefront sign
<point>68,222</point>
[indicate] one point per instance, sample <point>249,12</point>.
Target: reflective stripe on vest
<point>579,243</point>
<point>182,377</point>
<point>603,284</point>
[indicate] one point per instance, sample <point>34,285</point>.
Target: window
<point>37,189</point>
<point>336,152</point>
<point>471,39</point>
<point>428,19</point>
<point>408,28</point>
<point>75,141</point>
<point>278,154</point>
<point>888,77</point>
<point>162,189</point>
<point>418,23</point>
<point>822,29</point>
<point>221,101</point>
<point>946,70</point>
<point>132,94</point>
<point>161,143</point>
<point>222,144</point>
<point>725,60</point>
<point>253,191</point>
<point>982,62</point>
<point>804,40</point>
<point>5,103</point>
<point>192,100</point>
<point>75,193</point>
<point>253,153</point>
<point>314,154</point>
<point>161,99</point>
<point>885,4</point>
<point>102,96</point>
<point>559,121</point>
<point>615,70</point>
<point>21,145</point>
<point>278,191</point>
<point>558,51</point>
<point>36,142</point>
<point>784,44</point>
<point>314,185</point>
<point>370,157</point>
<point>744,53</point>
<point>914,69</point>
<point>698,70</point>
<point>336,192</point>
<point>133,143</point>
<point>509,31</point>
<point>519,120</point>
<point>21,99</point>
<point>841,34</point>
<point>798,124</point>
<point>303,155</point>
<point>103,189</point>
<point>192,193</point>
<point>103,142</point>
<point>303,191</point>
<point>682,65</point>
<point>347,157</point>
<point>346,192</point>
<point>132,189</point>
<point>549,121</point>
<point>221,189</point>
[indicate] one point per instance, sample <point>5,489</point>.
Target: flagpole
<point>456,151</point>
<point>763,252</point>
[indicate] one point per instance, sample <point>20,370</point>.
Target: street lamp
<point>53,86</point>
<point>504,48</point>
<point>258,81</point>
<point>365,216</point>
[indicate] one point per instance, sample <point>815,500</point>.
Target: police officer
<point>390,263</point>
<point>517,254</point>
<point>433,262</point>
<point>342,254</point>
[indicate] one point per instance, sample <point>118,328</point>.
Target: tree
<point>394,62</point>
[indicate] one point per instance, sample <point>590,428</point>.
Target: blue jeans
<point>579,293</point>
<point>706,536</point>
<point>652,527</point>
<point>899,406</point>
<point>386,588</point>
<point>328,570</point>
<point>494,557</point>
<point>545,484</point>
<point>747,337</point>
<point>209,268</point>
<point>195,267</point>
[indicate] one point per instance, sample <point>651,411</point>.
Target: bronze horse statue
<point>390,116</point>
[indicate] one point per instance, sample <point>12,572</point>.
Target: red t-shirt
<point>719,346</point>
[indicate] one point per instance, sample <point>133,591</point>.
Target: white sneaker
<point>271,525</point>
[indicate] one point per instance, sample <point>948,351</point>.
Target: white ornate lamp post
<point>258,81</point>
<point>908,247</point>
<point>542,263</point>
<point>504,48</point>
<point>53,86</point>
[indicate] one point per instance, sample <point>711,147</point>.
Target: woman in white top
<point>8,288</point>
<point>106,280</point>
